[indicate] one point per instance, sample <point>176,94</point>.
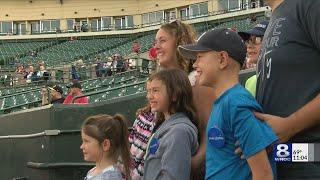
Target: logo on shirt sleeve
<point>216,137</point>
<point>154,144</point>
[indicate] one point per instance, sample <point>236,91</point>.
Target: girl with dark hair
<point>178,33</point>
<point>104,140</point>
<point>175,137</point>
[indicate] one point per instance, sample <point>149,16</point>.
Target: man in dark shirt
<point>288,86</point>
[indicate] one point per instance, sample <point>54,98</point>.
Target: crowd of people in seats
<point>29,73</point>
<point>114,64</point>
<point>200,123</point>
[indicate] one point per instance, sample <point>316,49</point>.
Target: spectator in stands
<point>98,68</point>
<point>114,62</point>
<point>20,69</point>
<point>29,73</point>
<point>56,94</point>
<point>218,65</point>
<point>81,69</point>
<point>253,39</point>
<point>20,73</point>
<point>35,75</point>
<point>153,57</point>
<point>288,74</point>
<point>153,52</point>
<point>105,69</point>
<point>46,76</point>
<point>76,27</point>
<point>52,94</point>
<point>74,73</point>
<point>42,71</point>
<point>84,27</point>
<point>126,64</point>
<point>75,90</point>
<point>136,47</point>
<point>175,137</point>
<point>118,63</point>
<point>107,66</point>
<point>105,141</point>
<point>134,56</point>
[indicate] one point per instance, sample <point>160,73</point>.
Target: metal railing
<point>109,90</point>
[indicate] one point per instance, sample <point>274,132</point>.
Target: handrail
<point>19,93</point>
<point>113,75</point>
<point>12,79</point>
<point>17,86</point>
<point>20,105</point>
<point>106,90</point>
<point>87,80</point>
<point>52,132</point>
<point>118,82</point>
<point>53,165</point>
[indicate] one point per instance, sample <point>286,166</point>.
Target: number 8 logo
<point>282,150</point>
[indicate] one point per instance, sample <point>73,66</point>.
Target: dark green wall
<point>64,148</point>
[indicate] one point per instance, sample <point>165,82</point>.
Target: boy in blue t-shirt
<point>220,53</point>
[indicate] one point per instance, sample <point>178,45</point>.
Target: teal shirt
<point>232,115</point>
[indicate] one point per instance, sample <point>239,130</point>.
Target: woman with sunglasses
<point>253,39</point>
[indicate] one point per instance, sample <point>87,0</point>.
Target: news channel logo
<point>282,152</point>
<point>295,152</point>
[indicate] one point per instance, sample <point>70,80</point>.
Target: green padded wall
<point>58,156</point>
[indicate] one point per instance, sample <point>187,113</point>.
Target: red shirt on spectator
<point>83,100</point>
<point>153,53</point>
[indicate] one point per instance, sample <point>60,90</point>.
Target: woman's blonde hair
<point>184,34</point>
